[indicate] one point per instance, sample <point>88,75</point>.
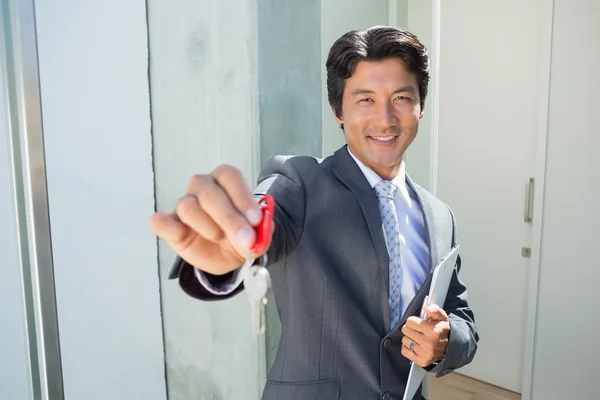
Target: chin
<point>386,161</point>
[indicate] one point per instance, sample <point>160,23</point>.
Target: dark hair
<point>374,44</point>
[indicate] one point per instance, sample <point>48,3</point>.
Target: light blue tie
<point>385,191</point>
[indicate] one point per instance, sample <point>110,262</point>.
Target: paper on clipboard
<point>440,282</point>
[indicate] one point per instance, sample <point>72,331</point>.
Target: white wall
<point>337,18</point>
<point>14,368</point>
<point>93,59</point>
<point>567,356</point>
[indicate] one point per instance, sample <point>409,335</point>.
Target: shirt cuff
<point>224,288</point>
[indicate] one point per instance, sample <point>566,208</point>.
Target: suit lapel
<point>349,173</point>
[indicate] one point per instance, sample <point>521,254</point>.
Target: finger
<point>170,229</point>
<point>235,186</point>
<point>407,342</point>
<point>425,331</point>
<point>417,324</point>
<point>422,356</point>
<point>408,354</point>
<point>218,206</point>
<point>192,215</point>
<point>436,313</point>
<point>214,258</point>
<point>420,361</point>
<point>412,333</point>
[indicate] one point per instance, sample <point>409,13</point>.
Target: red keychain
<point>263,230</point>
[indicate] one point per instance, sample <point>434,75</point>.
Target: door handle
<point>529,193</point>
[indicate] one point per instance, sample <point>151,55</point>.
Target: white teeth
<point>384,139</point>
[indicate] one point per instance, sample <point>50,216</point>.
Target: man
<point>354,242</point>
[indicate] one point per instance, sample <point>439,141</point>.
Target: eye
<point>402,98</point>
<point>365,100</point>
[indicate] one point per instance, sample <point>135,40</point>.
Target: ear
<point>338,118</point>
<point>421,114</point>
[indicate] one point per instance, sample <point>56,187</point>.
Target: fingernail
<point>246,237</point>
<point>254,216</point>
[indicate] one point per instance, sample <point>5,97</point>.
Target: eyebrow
<point>404,89</point>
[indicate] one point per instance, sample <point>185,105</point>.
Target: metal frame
<point>16,193</point>
<point>29,169</point>
<point>435,123</point>
<point>433,179</point>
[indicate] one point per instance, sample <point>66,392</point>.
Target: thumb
<point>436,313</point>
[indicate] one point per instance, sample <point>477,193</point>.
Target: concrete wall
<point>93,60</point>
<point>204,84</point>
<point>289,35</point>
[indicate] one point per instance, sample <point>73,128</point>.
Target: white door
<point>490,56</point>
<point>566,359</point>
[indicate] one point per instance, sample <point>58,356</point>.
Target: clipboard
<point>440,282</point>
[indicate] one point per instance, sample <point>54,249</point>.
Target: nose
<point>386,117</point>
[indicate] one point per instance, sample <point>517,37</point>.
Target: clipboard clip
<point>426,303</point>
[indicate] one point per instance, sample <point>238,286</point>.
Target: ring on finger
<point>411,347</point>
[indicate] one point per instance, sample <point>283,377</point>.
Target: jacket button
<point>386,396</point>
<point>387,343</point>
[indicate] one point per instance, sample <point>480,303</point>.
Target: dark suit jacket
<point>329,267</point>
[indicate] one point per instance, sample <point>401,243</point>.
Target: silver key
<point>257,282</point>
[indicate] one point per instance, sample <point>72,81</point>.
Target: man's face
<point>381,112</point>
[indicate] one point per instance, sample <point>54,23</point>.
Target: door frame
<point>538,203</point>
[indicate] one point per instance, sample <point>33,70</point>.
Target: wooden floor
<point>458,387</point>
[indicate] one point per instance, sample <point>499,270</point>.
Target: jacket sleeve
<point>462,342</point>
<point>280,179</point>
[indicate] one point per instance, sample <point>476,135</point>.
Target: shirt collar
<point>372,177</point>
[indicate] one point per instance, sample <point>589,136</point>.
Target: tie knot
<point>385,189</point>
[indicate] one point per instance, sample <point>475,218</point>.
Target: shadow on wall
<point>187,381</point>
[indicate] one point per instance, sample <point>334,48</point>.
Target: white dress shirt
<point>413,238</point>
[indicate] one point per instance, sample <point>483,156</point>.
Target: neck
<point>386,173</point>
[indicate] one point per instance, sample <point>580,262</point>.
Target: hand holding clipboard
<point>440,282</point>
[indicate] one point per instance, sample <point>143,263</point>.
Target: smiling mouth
<point>383,138</point>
